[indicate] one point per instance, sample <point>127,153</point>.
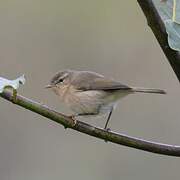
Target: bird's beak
<point>49,86</point>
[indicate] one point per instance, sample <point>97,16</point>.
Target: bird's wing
<point>86,80</point>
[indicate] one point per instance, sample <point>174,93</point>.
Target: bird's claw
<point>74,121</point>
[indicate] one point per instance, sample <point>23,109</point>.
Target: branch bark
<point>157,26</point>
<point>113,137</point>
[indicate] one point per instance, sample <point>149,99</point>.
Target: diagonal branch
<point>156,24</point>
<point>113,137</point>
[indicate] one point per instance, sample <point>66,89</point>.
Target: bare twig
<point>156,24</point>
<point>91,130</point>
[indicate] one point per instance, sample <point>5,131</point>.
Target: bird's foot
<point>14,96</point>
<point>74,121</point>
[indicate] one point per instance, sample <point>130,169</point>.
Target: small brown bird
<point>90,93</point>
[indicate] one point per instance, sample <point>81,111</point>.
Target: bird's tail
<point>148,90</point>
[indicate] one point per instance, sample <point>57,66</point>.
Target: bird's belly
<point>93,102</point>
<point>85,108</point>
<point>85,102</point>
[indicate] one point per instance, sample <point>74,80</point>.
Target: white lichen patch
<point>6,83</point>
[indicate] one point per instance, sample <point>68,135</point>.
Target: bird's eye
<point>60,80</point>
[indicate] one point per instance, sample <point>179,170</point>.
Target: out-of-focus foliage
<point>4,83</point>
<point>170,13</point>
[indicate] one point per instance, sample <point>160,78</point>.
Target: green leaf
<point>165,8</point>
<point>169,11</point>
<point>5,83</point>
<point>173,30</point>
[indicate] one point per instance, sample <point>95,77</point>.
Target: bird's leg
<point>107,121</point>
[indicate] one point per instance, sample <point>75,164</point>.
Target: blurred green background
<point>38,38</point>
